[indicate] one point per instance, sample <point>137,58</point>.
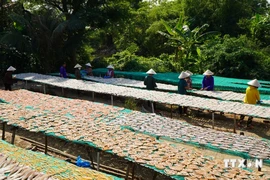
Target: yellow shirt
<point>252,95</point>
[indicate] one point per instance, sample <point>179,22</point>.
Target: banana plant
<point>185,41</point>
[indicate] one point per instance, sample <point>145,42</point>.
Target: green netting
<point>221,83</point>
<point>3,101</point>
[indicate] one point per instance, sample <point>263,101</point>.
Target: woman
<point>110,72</point>
<point>8,79</point>
<point>182,88</point>
<point>252,97</point>
<point>208,81</point>
<point>78,71</point>
<point>150,83</point>
<point>63,72</point>
<point>89,71</point>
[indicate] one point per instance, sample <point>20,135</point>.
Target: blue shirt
<point>63,72</point>
<point>182,84</point>
<point>208,82</point>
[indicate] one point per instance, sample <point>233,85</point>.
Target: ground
<point>197,118</point>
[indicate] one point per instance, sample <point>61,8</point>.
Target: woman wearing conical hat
<point>208,81</point>
<point>182,89</point>
<point>150,81</point>
<point>110,72</point>
<point>78,71</point>
<point>89,71</point>
<point>8,79</point>
<point>252,97</point>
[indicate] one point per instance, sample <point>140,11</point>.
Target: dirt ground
<point>198,118</point>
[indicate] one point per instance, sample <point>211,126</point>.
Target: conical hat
<point>190,73</point>
<point>254,82</point>
<point>151,71</point>
<point>208,73</point>
<point>77,66</point>
<point>183,75</point>
<point>110,67</point>
<point>88,64</point>
<point>11,69</point>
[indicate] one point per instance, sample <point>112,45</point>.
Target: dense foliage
<point>232,38</point>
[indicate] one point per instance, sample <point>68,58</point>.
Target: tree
<point>223,16</point>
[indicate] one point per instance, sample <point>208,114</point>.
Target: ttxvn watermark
<point>243,163</point>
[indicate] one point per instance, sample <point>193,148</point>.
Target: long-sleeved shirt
<point>63,72</point>
<point>252,95</point>
<point>208,82</point>
<point>78,74</point>
<point>182,84</point>
<point>189,83</point>
<point>89,71</point>
<point>110,73</point>
<point>150,82</point>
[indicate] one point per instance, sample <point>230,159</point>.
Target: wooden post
<point>234,122</point>
<point>93,95</point>
<point>91,158</point>
<point>213,120</point>
<point>127,173</point>
<point>26,84</point>
<point>155,175</point>
<point>171,111</point>
<point>46,145</point>
<point>3,130</point>
<point>112,100</point>
<point>133,171</point>
<point>13,135</point>
<point>98,160</point>
<point>62,91</point>
<point>44,88</point>
<point>152,105</point>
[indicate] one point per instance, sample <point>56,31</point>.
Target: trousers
<point>249,121</point>
<point>7,87</point>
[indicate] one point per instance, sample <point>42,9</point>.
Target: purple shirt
<point>208,82</point>
<point>63,72</point>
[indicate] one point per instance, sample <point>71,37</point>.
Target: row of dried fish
<point>162,126</point>
<point>129,83</point>
<point>225,95</point>
<point>162,97</point>
<point>10,169</point>
<point>152,124</point>
<point>76,108</point>
<point>142,122</point>
<point>18,163</point>
<point>144,149</point>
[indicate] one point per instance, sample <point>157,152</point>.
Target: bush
<point>130,103</point>
<point>126,61</point>
<point>237,57</point>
